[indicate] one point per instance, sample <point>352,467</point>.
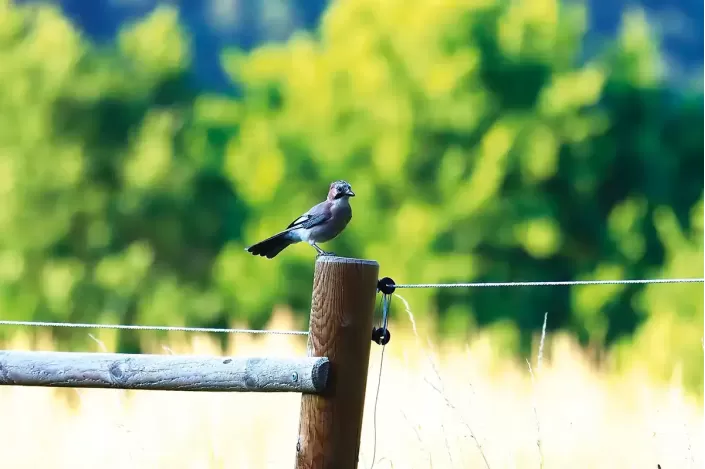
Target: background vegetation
<point>483,144</point>
<point>434,401</point>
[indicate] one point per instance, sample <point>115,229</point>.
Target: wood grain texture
<point>163,372</point>
<point>342,307</point>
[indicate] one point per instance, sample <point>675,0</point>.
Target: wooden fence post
<point>340,328</point>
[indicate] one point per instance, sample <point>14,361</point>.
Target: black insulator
<point>381,335</point>
<point>386,286</point>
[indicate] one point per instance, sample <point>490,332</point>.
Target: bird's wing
<point>318,214</point>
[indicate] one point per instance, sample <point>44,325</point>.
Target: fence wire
<point>549,284</point>
<point>286,332</point>
<point>149,328</point>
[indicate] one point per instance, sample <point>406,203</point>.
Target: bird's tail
<point>271,246</point>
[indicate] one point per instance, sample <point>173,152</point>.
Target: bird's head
<point>340,189</point>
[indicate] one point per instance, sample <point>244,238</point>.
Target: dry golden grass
<point>430,402</point>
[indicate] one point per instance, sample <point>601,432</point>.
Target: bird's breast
<point>341,214</point>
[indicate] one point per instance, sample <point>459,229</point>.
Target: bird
<point>323,222</point>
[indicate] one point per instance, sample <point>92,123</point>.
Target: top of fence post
<point>340,328</point>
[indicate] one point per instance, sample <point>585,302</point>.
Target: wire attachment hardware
<point>386,285</point>
<point>381,335</point>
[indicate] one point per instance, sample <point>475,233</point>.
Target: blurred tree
<point>114,206</point>
<point>481,148</point>
<point>481,145</point>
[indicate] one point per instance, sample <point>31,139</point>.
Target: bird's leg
<point>321,252</point>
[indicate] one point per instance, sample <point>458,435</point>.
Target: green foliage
<point>481,147</point>
<point>113,205</point>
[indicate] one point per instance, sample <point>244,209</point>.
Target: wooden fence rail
<point>163,372</point>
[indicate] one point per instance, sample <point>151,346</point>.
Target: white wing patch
<point>300,220</point>
<point>297,228</point>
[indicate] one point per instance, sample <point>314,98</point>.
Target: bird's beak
<point>350,193</point>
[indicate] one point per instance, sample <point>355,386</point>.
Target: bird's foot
<point>325,253</point>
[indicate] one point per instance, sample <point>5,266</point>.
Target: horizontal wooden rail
<point>163,372</point>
